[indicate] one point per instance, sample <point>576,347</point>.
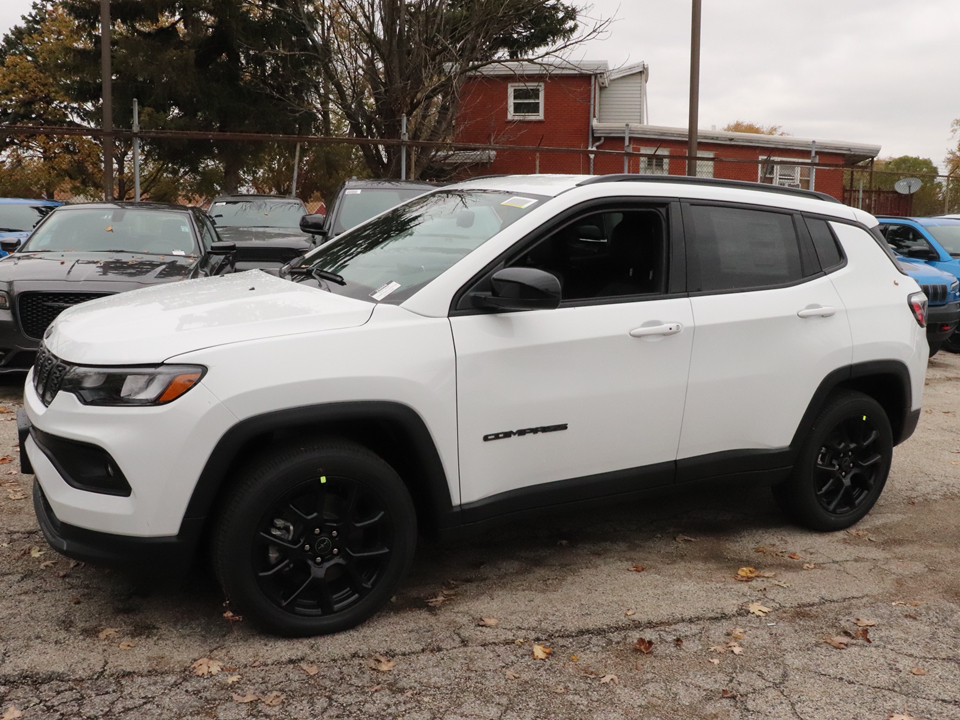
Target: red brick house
<point>586,105</point>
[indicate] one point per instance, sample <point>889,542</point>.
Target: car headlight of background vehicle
<point>156,385</point>
<point>4,301</point>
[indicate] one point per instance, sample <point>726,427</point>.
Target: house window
<point>659,164</point>
<point>775,171</point>
<point>525,102</point>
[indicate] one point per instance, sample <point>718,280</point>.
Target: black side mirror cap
<point>223,248</point>
<point>314,224</point>
<point>10,245</point>
<point>520,288</point>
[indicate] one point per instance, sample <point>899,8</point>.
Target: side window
<point>207,234</point>
<point>736,248</point>
<point>605,254</point>
<point>825,243</point>
<point>903,238</point>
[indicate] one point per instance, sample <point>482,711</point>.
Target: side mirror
<point>222,248</point>
<point>923,253</point>
<point>520,288</point>
<point>9,245</point>
<point>314,224</point>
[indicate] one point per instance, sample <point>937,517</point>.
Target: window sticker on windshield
<point>381,292</point>
<point>351,192</point>
<point>519,202</point>
<point>179,252</point>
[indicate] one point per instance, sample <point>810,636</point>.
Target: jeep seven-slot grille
<point>936,294</point>
<point>37,310</point>
<point>48,372</point>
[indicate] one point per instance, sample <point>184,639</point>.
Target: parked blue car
<point>18,217</point>
<point>930,241</point>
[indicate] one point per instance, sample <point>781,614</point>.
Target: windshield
<point>258,212</point>
<point>396,254</point>
<point>360,204</point>
<point>948,236</point>
<point>137,230</point>
<point>22,218</point>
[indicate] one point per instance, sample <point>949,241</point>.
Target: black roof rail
<point>713,182</point>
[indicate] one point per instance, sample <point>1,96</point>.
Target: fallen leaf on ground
<point>678,642</point>
<point>863,634</point>
<point>12,713</point>
<point>232,679</point>
<point>108,633</point>
<point>643,646</point>
<point>4,410</point>
<point>794,556</point>
<point>609,679</point>
<point>45,564</point>
<point>758,609</point>
<point>274,699</point>
<point>441,598</point>
<point>375,688</point>
<point>5,459</point>
<point>808,566</point>
<point>728,694</point>
<point>511,675</point>
<point>907,604</point>
<point>559,689</point>
<point>126,645</point>
<point>839,642</point>
<point>685,538</point>
<point>919,671</point>
<point>310,670</point>
<point>865,623</point>
<point>715,661</point>
<point>206,666</point>
<point>574,658</point>
<point>245,698</point>
<point>737,633</point>
<point>637,568</point>
<point>488,622</point>
<point>228,615</point>
<point>899,716</point>
<point>381,663</point>
<point>36,552</point>
<point>735,647</point>
<point>628,613</point>
<point>541,653</point>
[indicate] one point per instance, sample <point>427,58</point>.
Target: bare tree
<point>383,59</point>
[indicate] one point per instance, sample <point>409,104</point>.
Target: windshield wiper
<point>12,230</point>
<point>317,274</point>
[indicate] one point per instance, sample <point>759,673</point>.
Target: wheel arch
<point>393,431</point>
<point>886,381</point>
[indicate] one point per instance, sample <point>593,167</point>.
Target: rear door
<point>769,327</point>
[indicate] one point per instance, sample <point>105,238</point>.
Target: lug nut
<point>336,552</point>
<point>306,547</point>
<point>334,533</point>
<point>316,531</point>
<point>319,560</point>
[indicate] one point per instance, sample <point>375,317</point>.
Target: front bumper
<point>150,557</point>
<point>17,351</point>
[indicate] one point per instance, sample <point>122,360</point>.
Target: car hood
<point>158,323</point>
<point>264,234</point>
<point>96,266</point>
<point>923,273</point>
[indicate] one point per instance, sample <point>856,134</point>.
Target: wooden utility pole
<point>106,71</point>
<point>694,90</point>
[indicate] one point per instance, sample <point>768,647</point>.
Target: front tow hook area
<point>23,431</point>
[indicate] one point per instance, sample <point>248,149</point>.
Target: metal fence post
<point>403,146</point>
<point>136,151</point>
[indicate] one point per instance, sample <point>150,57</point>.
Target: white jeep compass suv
<point>494,347</point>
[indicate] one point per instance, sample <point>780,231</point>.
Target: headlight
<point>4,301</point>
<point>955,288</point>
<point>156,385</point>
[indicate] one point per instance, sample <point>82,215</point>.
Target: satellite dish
<point>908,186</point>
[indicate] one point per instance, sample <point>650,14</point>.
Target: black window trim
<point>675,275</point>
<point>843,254</point>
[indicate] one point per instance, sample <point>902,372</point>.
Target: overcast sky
<point>882,72</point>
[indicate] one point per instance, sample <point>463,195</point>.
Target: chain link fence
<point>65,164</point>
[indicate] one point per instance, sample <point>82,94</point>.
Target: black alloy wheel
<point>315,539</point>
<point>843,465</point>
<point>952,343</point>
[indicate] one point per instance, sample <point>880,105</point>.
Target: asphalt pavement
<point>705,604</point>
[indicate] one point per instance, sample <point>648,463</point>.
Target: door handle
<point>665,329</point>
<point>817,311</point>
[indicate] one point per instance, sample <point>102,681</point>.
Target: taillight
<point>918,305</point>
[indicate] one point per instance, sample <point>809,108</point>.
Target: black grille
<point>936,294</point>
<point>37,310</point>
<point>48,372</point>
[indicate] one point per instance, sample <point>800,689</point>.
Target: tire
<point>842,466</point>
<point>935,347</point>
<point>315,538</point>
<point>952,343</point>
